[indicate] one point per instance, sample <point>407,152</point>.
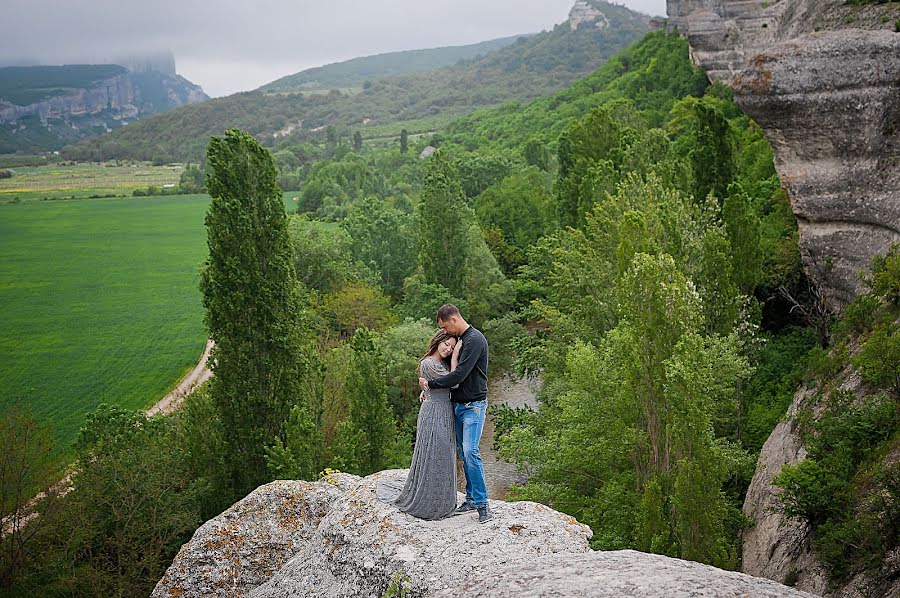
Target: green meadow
<point>98,303</point>
<point>83,180</point>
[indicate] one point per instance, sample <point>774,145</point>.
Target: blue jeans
<point>469,424</point>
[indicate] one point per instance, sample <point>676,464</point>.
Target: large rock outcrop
<point>334,538</point>
<point>101,105</point>
<point>775,546</point>
<point>823,81</point>
<point>781,548</point>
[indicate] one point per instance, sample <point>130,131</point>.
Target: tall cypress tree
<point>252,304</point>
<point>404,141</point>
<point>443,226</point>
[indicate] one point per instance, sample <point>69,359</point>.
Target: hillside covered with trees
<point>357,72</point>
<point>626,238</point>
<point>530,67</point>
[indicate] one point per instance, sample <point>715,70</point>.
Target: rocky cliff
<point>334,538</point>
<point>823,80</point>
<point>72,113</point>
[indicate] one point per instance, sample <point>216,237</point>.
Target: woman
<point>430,488</point>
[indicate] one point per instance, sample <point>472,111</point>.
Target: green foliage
<point>504,336</point>
<point>442,222</point>
<point>850,504</point>
<point>203,439</point>
<point>743,226</point>
<point>356,305</point>
<point>298,456</point>
<point>26,467</point>
<point>364,439</point>
<point>879,357</point>
<point>252,304</point>
<point>322,255</point>
<point>780,365</point>
<point>401,347</point>
<point>478,172</point>
<point>519,210</point>
<point>422,300</point>
<point>134,502</point>
<point>383,239</point>
<point>885,277</point>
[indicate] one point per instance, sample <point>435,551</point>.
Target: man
<point>469,396</point>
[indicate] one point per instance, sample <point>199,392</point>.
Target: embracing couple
<point>453,378</point>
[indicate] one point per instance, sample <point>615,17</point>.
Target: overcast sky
<point>228,46</point>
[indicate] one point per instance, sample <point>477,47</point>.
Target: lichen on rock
<point>334,538</point>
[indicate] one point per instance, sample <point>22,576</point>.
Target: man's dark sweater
<point>470,372</point>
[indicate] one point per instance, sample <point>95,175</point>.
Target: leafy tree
<point>743,227</point>
<point>383,240</point>
<point>443,226</point>
<point>252,304</point>
<point>192,180</point>
<point>585,147</point>
<point>322,255</point>
<point>363,443</point>
<point>402,346</point>
<point>357,141</point>
<point>356,305</point>
<point>26,466</point>
<point>404,141</point>
<point>134,502</point>
<point>519,209</point>
<point>478,172</point>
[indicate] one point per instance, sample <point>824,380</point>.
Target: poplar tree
<point>404,141</point>
<point>252,304</point>
<point>442,226</point>
<point>365,437</point>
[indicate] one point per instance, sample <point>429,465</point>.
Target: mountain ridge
<point>530,67</point>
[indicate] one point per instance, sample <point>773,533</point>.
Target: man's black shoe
<point>484,514</point>
<point>464,508</point>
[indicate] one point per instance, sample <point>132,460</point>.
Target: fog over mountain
<point>230,46</point>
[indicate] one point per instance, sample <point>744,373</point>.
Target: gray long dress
<point>430,488</point>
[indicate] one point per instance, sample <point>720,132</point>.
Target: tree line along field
<point>100,303</point>
<point>77,180</point>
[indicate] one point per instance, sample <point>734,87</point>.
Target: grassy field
<point>99,303</point>
<point>75,181</point>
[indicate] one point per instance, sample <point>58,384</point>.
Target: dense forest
<point>626,239</point>
<point>530,67</point>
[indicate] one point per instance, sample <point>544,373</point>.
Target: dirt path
<point>169,403</point>
<point>191,382</point>
<point>500,474</point>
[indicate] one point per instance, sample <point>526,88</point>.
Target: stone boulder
<point>334,538</point>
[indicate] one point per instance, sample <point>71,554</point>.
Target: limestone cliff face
<point>104,105</point>
<point>781,548</point>
<point>823,81</point>
<point>584,12</point>
<point>333,538</point>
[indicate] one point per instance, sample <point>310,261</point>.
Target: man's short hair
<point>446,312</point>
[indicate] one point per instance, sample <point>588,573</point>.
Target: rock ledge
<point>334,538</point>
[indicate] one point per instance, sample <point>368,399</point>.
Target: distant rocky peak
<point>585,11</point>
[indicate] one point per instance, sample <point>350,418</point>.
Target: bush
<point>879,357</point>
<point>502,335</point>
